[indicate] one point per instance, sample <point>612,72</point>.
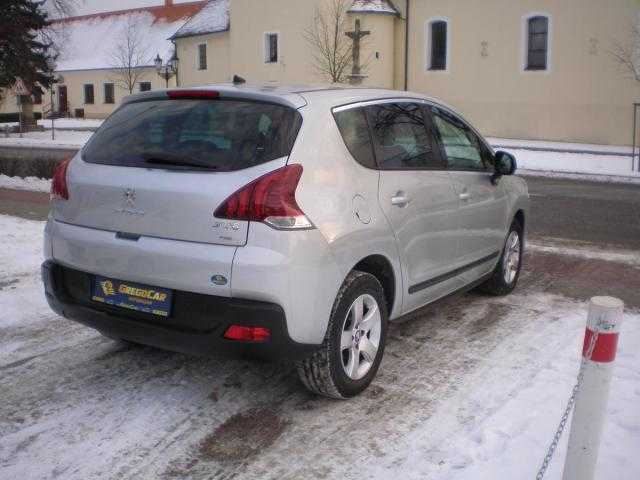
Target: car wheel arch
<point>381,267</point>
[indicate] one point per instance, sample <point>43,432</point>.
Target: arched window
<point>537,43</point>
<point>437,44</point>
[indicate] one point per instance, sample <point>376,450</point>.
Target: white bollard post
<point>598,354</point>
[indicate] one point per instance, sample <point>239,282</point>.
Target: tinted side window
<point>401,138</point>
<point>462,147</point>
<point>355,133</point>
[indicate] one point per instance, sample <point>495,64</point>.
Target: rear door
<point>483,206</point>
<point>161,167</point>
<point>418,199</point>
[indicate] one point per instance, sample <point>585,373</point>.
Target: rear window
<point>217,134</point>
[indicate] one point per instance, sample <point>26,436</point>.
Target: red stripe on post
<point>605,348</point>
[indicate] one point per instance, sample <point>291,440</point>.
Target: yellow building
<point>516,68</point>
<point>523,69</point>
<point>93,75</point>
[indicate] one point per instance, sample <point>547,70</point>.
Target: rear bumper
<point>196,325</point>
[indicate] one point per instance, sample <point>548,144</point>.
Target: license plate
<point>133,296</point>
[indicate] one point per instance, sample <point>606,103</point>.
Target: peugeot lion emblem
<point>130,198</point>
<point>129,203</point>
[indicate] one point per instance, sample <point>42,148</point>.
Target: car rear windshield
<point>221,135</point>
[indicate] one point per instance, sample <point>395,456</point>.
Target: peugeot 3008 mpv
<point>281,222</point>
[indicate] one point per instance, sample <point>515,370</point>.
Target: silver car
<point>279,222</point>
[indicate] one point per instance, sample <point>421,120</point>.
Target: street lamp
<point>168,70</point>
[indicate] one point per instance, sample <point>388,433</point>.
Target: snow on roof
<point>214,17</point>
<point>89,42</point>
<point>373,6</point>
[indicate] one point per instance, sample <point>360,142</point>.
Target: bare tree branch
<point>627,55</point>
<point>130,55</point>
<point>62,8</point>
<point>331,49</point>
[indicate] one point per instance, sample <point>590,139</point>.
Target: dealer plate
<point>133,296</point>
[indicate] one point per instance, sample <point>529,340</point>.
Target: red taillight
<point>59,189</point>
<point>269,199</point>
<point>247,334</point>
<point>186,94</point>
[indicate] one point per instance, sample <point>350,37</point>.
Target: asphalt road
<point>602,213</point>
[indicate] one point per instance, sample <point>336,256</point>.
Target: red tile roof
<point>165,13</point>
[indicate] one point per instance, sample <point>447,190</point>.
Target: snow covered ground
<point>63,139</point>
<point>64,123</point>
<point>472,388</point>
<point>561,157</point>
<point>29,183</point>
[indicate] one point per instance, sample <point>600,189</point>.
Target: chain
<point>567,411</point>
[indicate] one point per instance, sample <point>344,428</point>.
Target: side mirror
<point>505,164</point>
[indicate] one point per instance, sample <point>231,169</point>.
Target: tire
<point>332,370</point>
<point>501,282</point>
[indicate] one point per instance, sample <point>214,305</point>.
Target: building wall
<point>218,51</point>
<point>380,68</point>
<point>75,81</point>
<point>582,98</point>
<point>250,21</point>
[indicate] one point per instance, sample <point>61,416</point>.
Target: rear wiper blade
<point>177,161</point>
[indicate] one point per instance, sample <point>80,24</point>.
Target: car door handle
<point>464,196</point>
<point>400,200</point>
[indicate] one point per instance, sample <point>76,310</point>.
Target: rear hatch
<point>160,167</point>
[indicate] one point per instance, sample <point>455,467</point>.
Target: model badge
<point>235,226</point>
<point>129,203</point>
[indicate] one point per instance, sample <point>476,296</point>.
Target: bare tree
<point>627,55</point>
<point>62,8</point>
<point>331,49</point>
<point>130,55</point>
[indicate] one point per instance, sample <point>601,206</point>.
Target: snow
<point>90,43</point>
<point>576,249</point>
<point>372,6</point>
<point>33,184</point>
<point>473,391</point>
<point>63,123</point>
<point>214,17</point>
<point>629,178</point>
<point>601,164</point>
<point>71,139</point>
<point>72,123</point>
<point>546,145</point>
<point>569,157</point>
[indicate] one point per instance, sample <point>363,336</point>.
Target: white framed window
<point>536,42</point>
<point>437,44</point>
<point>202,56</point>
<point>271,47</point>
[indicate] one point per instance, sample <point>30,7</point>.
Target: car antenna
<point>237,80</point>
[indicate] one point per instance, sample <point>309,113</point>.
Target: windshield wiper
<point>178,161</point>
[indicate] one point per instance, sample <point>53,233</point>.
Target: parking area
<point>472,387</point>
